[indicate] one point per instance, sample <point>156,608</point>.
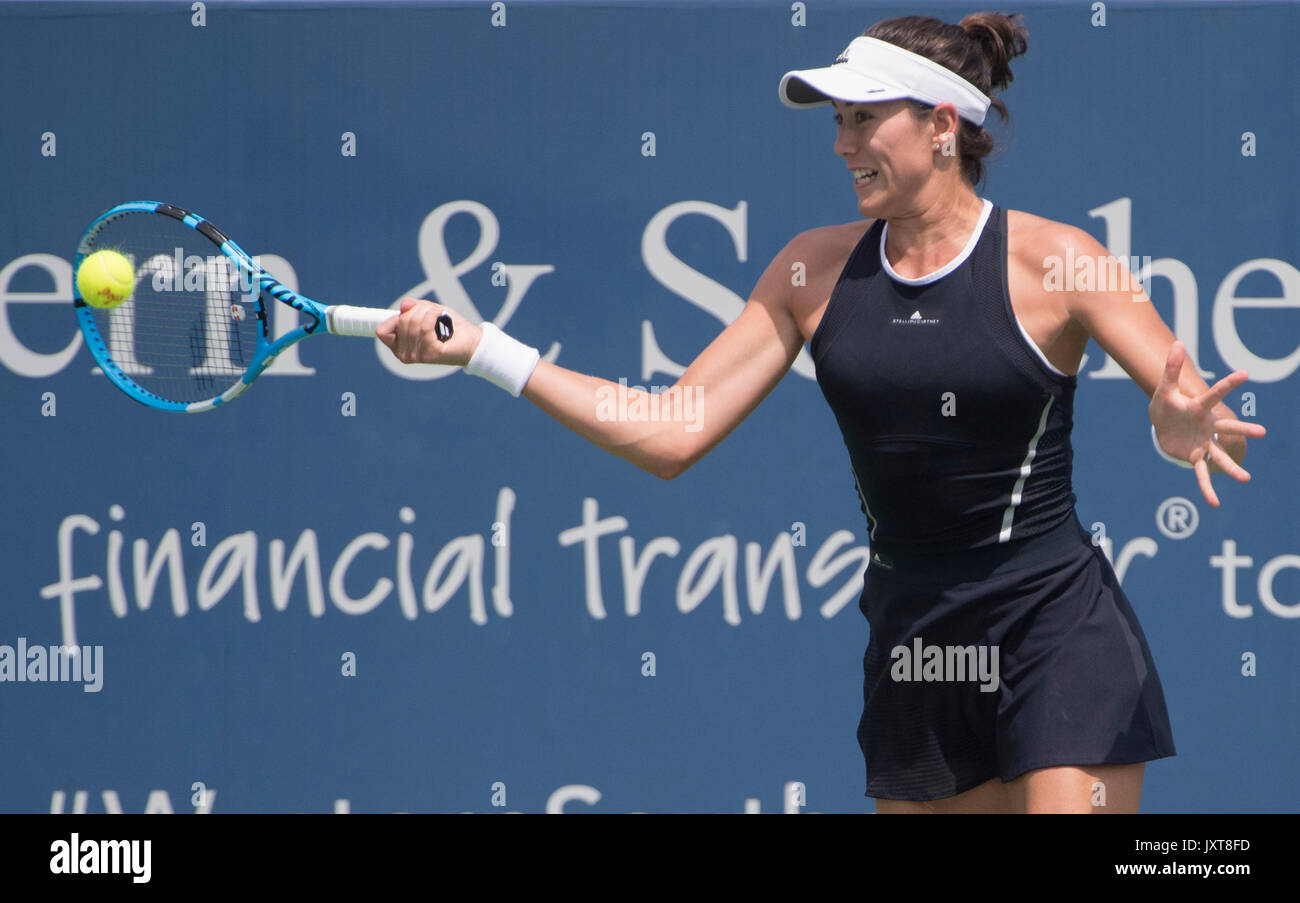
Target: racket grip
<point>344,319</point>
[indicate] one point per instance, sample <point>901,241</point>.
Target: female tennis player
<point>950,366</point>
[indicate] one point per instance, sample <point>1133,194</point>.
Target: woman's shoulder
<point>1035,238</point>
<point>800,278</point>
<point>827,244</point>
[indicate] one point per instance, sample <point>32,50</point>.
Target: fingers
<point>1217,392</point>
<point>406,338</point>
<point>1167,395</point>
<point>411,330</point>
<point>1174,359</point>
<point>414,336</point>
<point>1227,463</point>
<point>1203,478</point>
<point>1216,453</point>
<point>427,347</point>
<point>411,334</point>
<point>1173,367</point>
<point>386,331</point>
<point>1240,428</point>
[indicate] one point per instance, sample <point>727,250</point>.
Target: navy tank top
<point>957,427</point>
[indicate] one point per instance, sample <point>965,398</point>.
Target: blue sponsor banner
<point>371,587</point>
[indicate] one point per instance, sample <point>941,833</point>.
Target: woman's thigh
<point>989,797</point>
<point>1060,789</point>
<point>1098,789</point>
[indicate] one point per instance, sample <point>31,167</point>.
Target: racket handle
<point>344,319</point>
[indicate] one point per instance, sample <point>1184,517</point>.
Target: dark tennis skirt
<point>1074,682</point>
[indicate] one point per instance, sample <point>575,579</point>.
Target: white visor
<point>871,70</point>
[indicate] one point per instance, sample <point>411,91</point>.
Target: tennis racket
<point>195,332</point>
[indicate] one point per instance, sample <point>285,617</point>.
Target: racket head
<point>193,334</point>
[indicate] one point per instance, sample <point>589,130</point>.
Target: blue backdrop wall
<point>368,587</point>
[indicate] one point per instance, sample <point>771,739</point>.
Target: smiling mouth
<point>864,176</point>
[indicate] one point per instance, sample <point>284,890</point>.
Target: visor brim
<point>815,87</point>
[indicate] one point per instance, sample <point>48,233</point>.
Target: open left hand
<point>1186,425</point>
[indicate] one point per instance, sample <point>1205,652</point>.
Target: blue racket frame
<point>264,353</point>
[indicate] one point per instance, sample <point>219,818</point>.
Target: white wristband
<point>1170,458</point>
<point>502,360</point>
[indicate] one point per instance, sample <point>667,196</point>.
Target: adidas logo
<point>916,319</point>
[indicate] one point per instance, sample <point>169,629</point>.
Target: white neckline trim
<point>950,265</point>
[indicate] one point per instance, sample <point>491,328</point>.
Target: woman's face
<point>892,145</point>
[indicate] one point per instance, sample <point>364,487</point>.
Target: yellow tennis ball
<point>105,279</point>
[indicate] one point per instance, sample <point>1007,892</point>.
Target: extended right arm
<point>733,374</point>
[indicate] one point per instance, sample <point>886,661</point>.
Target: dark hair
<point>979,49</point>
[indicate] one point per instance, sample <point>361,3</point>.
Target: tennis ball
<point>105,279</point>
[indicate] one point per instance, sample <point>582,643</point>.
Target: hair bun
<point>1002,37</point>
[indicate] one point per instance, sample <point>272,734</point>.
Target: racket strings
<point>188,332</point>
